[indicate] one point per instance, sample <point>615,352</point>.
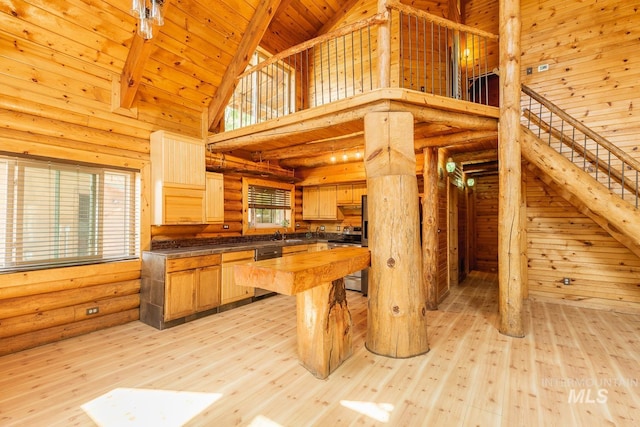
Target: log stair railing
<point>598,178</point>
<point>606,163</point>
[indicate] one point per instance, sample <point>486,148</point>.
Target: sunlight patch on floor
<point>146,407</point>
<point>378,411</point>
<point>262,421</point>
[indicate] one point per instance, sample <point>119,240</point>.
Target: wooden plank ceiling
<point>85,53</point>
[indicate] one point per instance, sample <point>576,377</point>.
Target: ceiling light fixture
<point>471,182</point>
<point>149,13</point>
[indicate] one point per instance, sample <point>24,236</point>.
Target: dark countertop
<point>231,247</point>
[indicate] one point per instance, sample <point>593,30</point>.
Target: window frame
<point>14,208</point>
<point>246,229</point>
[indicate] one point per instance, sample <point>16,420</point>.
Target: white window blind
<point>268,207</point>
<point>56,214</point>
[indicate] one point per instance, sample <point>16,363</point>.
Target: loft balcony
<point>402,59</point>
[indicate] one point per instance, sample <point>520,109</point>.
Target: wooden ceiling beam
<point>134,66</point>
<point>326,159</point>
<point>457,138</point>
<point>250,40</point>
<point>490,166</point>
<point>475,156</point>
<point>313,149</point>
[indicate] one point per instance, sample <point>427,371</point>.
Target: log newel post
<point>430,226</point>
<point>509,159</point>
<point>384,48</point>
<point>397,322</point>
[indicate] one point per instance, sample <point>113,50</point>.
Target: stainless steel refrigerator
<point>364,276</point>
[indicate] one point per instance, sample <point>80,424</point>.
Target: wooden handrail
<point>400,7</point>
<point>342,31</point>
<point>575,146</point>
<point>620,154</point>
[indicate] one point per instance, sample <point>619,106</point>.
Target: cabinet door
<point>289,250</point>
<point>231,292</point>
<point>215,198</point>
<point>208,288</point>
<point>183,206</point>
<point>180,294</point>
<point>327,206</point>
<point>310,203</point>
<point>359,190</point>
<point>344,194</point>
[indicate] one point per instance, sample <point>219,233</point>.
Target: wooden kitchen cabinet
<point>230,291</point>
<point>208,288</point>
<point>180,294</point>
<point>214,198</point>
<point>319,203</point>
<point>351,194</point>
<point>175,290</point>
<point>192,285</point>
<point>177,179</point>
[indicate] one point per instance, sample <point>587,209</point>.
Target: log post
<point>384,48</point>
<point>324,328</point>
<point>397,321</point>
<point>509,152</point>
<point>430,226</point>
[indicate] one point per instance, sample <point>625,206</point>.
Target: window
<point>262,95</point>
<point>268,205</point>
<point>55,214</point>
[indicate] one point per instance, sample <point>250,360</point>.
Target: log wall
<point>486,223</point>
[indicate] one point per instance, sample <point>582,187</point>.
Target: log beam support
<point>430,227</point>
<point>509,155</point>
<point>397,322</point>
<point>323,328</point>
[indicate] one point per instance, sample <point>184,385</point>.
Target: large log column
<point>509,201</point>
<point>397,322</point>
<point>430,226</point>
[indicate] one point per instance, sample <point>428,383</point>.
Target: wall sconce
<point>450,166</point>
<point>471,182</point>
<point>466,53</point>
<point>344,156</point>
<point>149,13</point>
<point>333,157</point>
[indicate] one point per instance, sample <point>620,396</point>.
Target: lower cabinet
<point>232,292</point>
<point>175,289</point>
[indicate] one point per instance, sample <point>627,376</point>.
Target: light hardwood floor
<point>575,366</point>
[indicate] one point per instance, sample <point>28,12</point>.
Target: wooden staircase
<point>595,176</point>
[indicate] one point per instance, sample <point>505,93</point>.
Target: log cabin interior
<point>146,156</point>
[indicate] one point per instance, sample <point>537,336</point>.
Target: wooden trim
<point>394,4</point>
<point>347,29</point>
<point>250,40</point>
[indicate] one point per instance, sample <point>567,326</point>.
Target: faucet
<point>277,235</point>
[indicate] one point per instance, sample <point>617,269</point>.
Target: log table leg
<point>323,327</point>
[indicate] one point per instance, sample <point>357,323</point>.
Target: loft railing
<point>427,54</point>
<point>608,164</point>
<point>442,57</point>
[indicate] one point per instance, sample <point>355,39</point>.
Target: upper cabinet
<point>351,194</point>
<point>214,198</point>
<point>178,176</point>
<point>319,203</point>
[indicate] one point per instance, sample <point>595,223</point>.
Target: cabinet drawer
<point>188,263</point>
<point>235,256</point>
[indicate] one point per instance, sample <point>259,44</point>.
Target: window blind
<point>56,214</point>
<point>268,198</point>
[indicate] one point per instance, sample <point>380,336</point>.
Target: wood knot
<point>396,309</point>
<point>391,263</point>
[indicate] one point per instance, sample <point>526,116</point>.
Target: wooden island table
<point>317,281</point>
